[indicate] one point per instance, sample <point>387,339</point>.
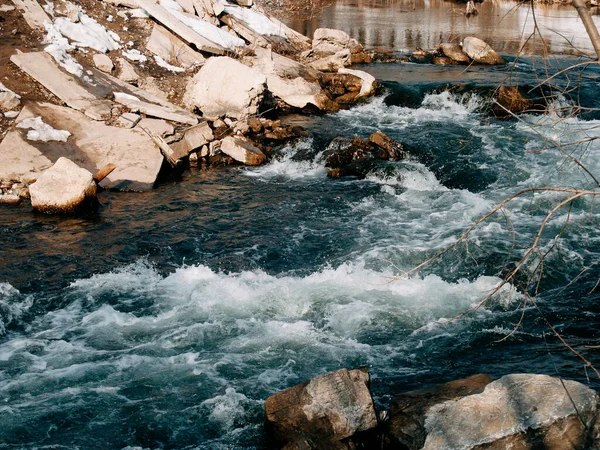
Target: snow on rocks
<point>41,131</point>
<point>135,55</point>
<point>63,188</point>
<point>87,33</point>
<point>225,86</point>
<point>165,65</point>
<point>256,21</point>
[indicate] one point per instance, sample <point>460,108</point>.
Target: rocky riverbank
<point>148,87</point>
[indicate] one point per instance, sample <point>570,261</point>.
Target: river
<point>166,318</point>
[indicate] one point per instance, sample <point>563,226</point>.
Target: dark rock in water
<point>395,150</point>
<point>321,412</point>
<point>518,411</point>
<point>357,156</point>
<point>517,100</point>
<point>406,425</point>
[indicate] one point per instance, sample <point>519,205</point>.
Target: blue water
<point>166,318</point>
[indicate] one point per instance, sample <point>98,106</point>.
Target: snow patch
<point>135,55</point>
<point>59,48</point>
<point>256,21</point>
<point>162,63</point>
<point>88,33</point>
<point>41,131</point>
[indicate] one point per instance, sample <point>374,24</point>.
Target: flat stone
<point>226,87</point>
<point>127,73</point>
<point>33,13</point>
<point>128,120</point>
<point>480,52</point>
<point>156,127</point>
<point>243,151</point>
<point>172,49</point>
<point>92,145</point>
<point>103,62</point>
<point>193,138</point>
<point>62,188</point>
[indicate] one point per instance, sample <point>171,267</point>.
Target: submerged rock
<point>481,52</point>
<point>63,188</point>
<point>319,413</point>
<point>357,156</point>
<point>518,100</point>
<point>225,86</point>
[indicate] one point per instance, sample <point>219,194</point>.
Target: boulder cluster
<point>518,411</point>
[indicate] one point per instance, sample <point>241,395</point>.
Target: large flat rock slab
<point>92,145</point>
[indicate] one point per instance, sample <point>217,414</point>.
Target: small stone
<point>11,114</point>
<point>218,124</point>
<point>443,61</point>
<point>103,62</point>
<point>228,122</point>
<point>455,52</point>
<point>10,199</point>
<point>241,128</point>
<point>255,124</point>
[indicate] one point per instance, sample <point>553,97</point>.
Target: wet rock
<point>511,98</point>
<point>407,413</point>
<point>280,134</point>
<point>341,83</point>
<point>63,188</point>
<point>520,411</point>
<point>242,150</point>
<point>361,58</point>
<point>443,61</point>
<point>394,150</point>
<point>454,52</point>
<point>347,99</point>
<point>480,52</point>
<point>225,86</point>
<point>103,63</point>
<point>368,85</point>
<point>321,412</point>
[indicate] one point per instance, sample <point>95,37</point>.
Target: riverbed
<point>166,318</point>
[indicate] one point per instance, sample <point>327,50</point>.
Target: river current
<point>166,318</point>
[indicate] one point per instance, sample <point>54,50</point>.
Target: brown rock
<point>443,61</point>
<point>407,414</point>
<point>242,150</point>
<point>280,134</point>
<point>324,410</point>
<point>9,199</point>
<point>361,58</point>
<point>255,124</point>
<point>455,52</point>
<point>344,81</point>
<point>481,52</point>
<point>347,99</point>
<point>395,150</point>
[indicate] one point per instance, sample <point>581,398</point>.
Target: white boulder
<point>480,52</point>
<point>226,87</point>
<point>327,40</point>
<point>62,188</point>
<point>103,63</point>
<point>369,83</point>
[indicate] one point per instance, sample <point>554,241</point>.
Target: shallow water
<point>405,25</point>
<point>166,319</point>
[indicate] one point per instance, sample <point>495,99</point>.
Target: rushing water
<point>165,319</point>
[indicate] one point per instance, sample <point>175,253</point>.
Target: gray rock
<point>321,412</point>
<point>62,188</point>
<point>480,52</point>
